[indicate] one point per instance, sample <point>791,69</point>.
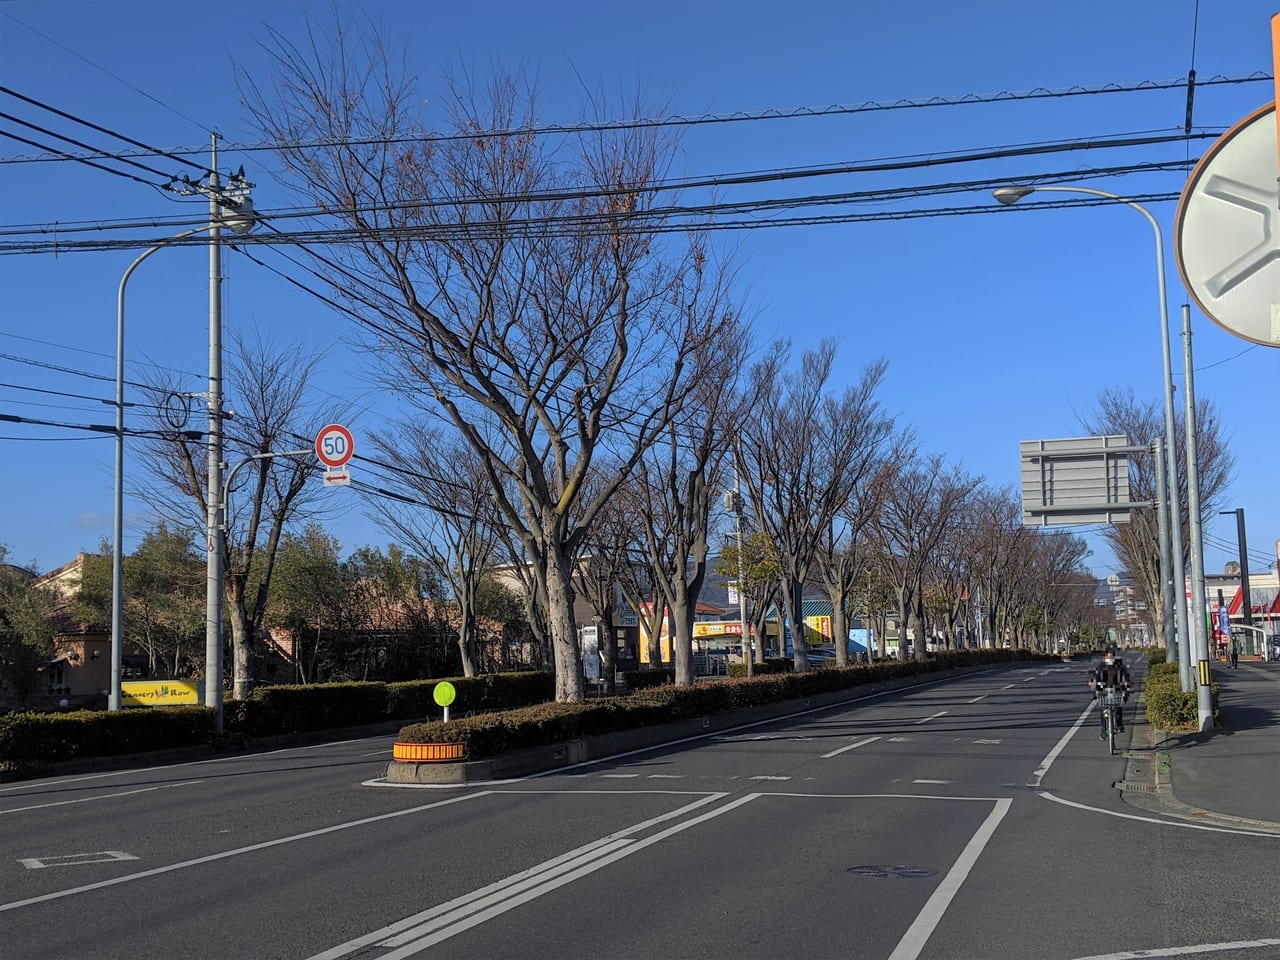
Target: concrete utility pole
<point>1167,594</point>
<point>748,655</point>
<point>1199,630</point>
<point>213,524</point>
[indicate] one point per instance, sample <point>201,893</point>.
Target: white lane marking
<point>1025,679</point>
<point>1008,686</point>
<point>619,776</point>
<point>76,859</point>
<point>439,923</point>
<point>100,796</point>
<point>917,935</point>
<point>211,858</point>
<point>1164,823</point>
<point>933,781</point>
<point>878,796</point>
<point>611,793</point>
<point>48,782</point>
<point>900,739</point>
<point>374,753</point>
<point>1184,951</point>
<point>983,697</point>
<point>940,713</point>
<point>665,776</point>
<point>851,746</point>
<point>766,776</point>
<point>1052,755</point>
<point>989,740</point>
<point>382,782</point>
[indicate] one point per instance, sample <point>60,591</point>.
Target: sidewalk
<point>1235,769</point>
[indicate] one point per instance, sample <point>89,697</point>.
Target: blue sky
<point>998,328</point>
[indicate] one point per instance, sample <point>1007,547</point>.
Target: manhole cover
<point>882,871</point>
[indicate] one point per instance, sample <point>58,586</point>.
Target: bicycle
<point>1111,700</point>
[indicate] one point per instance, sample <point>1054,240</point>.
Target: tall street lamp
<point>1011,195</point>
<point>241,222</point>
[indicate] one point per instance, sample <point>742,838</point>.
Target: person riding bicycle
<point>1111,674</point>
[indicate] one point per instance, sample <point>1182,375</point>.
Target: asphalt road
<point>967,818</point>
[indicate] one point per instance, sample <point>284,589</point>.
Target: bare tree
<point>679,481</point>
<point>268,387</point>
<point>846,553</point>
<point>512,283</point>
<point>609,566</point>
<point>921,505</point>
<point>801,447</point>
<point>444,510</point>
<point>1137,544</point>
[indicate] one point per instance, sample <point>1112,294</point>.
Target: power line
<point>99,353</point>
<point>97,66</point>
<point>79,143</point>
<point>787,113</point>
<point>714,181</point>
<point>99,427</point>
<point>71,370</point>
<point>101,129</point>
<point>87,163</point>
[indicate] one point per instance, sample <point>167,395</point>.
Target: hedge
<point>1168,707</point>
<point>49,737</point>
<point>648,677</point>
<point>290,708</point>
<point>770,665</point>
<point>492,734</point>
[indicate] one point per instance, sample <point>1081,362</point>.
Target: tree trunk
<point>241,638</point>
<point>682,632</point>
<point>565,648</point>
<point>608,650</point>
<point>467,634</point>
<point>838,595</point>
<point>793,591</point>
<point>904,601</point>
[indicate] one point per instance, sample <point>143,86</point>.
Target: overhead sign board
<point>1227,231</point>
<point>1076,480</point>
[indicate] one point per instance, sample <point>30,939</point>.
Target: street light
<point>239,224</point>
<point>1011,195</point>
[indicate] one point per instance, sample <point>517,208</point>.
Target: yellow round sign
<point>444,693</point>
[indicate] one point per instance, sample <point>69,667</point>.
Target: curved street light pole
<point>1011,195</point>
<point>117,536</point>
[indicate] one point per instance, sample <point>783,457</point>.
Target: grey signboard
<point>1076,480</point>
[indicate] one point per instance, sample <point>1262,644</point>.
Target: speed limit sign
<point>334,445</point>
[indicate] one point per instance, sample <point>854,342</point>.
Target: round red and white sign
<point>334,445</point>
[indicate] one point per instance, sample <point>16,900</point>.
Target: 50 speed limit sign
<point>334,445</point>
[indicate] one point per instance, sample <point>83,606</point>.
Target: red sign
<point>334,445</point>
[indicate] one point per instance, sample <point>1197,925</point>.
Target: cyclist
<point>1111,673</point>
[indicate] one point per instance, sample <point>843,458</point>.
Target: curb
<point>1148,782</point>
<point>602,746</point>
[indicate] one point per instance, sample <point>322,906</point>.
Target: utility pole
<point>1195,619</point>
<point>1166,566</point>
<point>748,657</point>
<point>233,208</point>
<point>213,520</point>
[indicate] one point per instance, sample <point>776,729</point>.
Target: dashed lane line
<point>100,796</point>
<point>940,713</point>
<point>1187,950</point>
<point>851,746</point>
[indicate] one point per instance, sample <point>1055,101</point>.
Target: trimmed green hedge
<point>648,677</point>
<point>770,665</point>
<point>492,734</point>
<point>49,737</point>
<point>1168,707</point>
<point>494,691</point>
<point>289,708</point>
